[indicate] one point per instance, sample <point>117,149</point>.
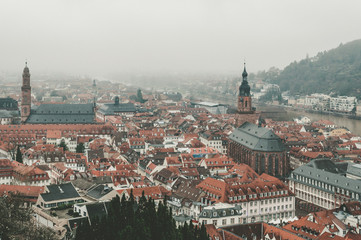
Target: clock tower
<point>25,95</point>
<point>244,97</point>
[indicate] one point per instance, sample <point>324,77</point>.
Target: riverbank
<point>354,125</point>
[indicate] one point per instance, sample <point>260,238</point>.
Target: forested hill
<point>337,70</point>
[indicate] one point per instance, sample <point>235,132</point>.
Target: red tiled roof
<point>29,191</point>
<point>53,134</point>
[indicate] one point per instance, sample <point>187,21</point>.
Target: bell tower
<point>244,97</point>
<point>25,95</point>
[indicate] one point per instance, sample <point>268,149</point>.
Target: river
<point>353,125</point>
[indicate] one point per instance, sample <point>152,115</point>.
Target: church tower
<point>244,97</point>
<point>25,95</point>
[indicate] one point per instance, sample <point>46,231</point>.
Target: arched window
<point>256,164</point>
<point>277,165</point>
<point>263,164</point>
<point>270,164</point>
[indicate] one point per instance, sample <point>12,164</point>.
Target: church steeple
<point>244,97</point>
<point>25,94</point>
<point>244,74</point>
<point>244,89</point>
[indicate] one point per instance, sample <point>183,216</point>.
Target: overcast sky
<point>109,36</point>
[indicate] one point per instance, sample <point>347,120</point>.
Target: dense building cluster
<point>229,172</point>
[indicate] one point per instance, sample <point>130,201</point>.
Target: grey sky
<point>108,36</point>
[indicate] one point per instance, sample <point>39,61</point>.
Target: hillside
<point>335,71</point>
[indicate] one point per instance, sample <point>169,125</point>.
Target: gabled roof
<point>112,108</point>
<point>29,191</point>
<point>97,210</point>
<point>99,191</point>
<point>257,138</point>
<point>59,192</point>
<point>62,113</point>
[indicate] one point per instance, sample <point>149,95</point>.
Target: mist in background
<point>98,37</point>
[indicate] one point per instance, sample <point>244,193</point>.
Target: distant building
<point>214,108</point>
<point>115,109</point>
<point>260,148</point>
<point>57,99</point>
<point>8,117</point>
<point>323,102</point>
<point>8,104</point>
<point>52,113</point>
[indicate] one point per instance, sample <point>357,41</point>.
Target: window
<point>224,222</point>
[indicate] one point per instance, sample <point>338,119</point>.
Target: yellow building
<point>339,132</point>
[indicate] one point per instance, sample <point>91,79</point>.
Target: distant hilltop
<point>335,71</point>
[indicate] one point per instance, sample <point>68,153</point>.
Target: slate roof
<point>82,184</point>
<point>354,169</point>
<point>8,113</point>
<point>8,104</point>
<point>99,191</point>
<point>331,175</point>
<point>221,210</point>
<point>99,209</point>
<point>60,192</point>
<point>62,113</point>
<point>257,138</point>
<point>112,108</point>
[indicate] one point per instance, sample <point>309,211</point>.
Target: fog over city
<point>157,36</point>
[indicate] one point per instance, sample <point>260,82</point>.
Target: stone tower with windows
<point>25,95</point>
<point>244,97</point>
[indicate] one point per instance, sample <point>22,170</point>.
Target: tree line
<point>142,220</point>
<point>337,71</point>
<point>16,220</point>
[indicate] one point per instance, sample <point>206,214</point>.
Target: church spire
<point>244,89</point>
<point>244,74</point>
